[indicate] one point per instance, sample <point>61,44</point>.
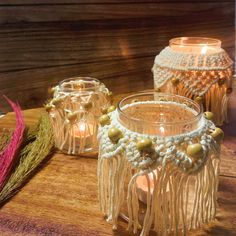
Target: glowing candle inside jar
<point>142,186</point>
<point>84,134</point>
<point>195,45</point>
<point>159,119</point>
<point>82,131</point>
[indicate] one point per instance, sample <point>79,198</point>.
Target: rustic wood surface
<point>45,41</point>
<point>61,198</point>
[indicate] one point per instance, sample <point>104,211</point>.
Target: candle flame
<point>162,129</point>
<point>204,50</point>
<point>82,127</point>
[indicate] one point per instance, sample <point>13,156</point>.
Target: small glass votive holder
<point>74,110</point>
<point>197,68</point>
<point>158,164</point>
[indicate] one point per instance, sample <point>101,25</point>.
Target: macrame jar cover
<point>74,110</point>
<point>197,68</point>
<point>181,171</point>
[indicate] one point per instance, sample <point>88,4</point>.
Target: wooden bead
<point>208,115</point>
<point>195,151</point>
<point>114,134</point>
<point>144,144</point>
<point>48,107</point>
<point>52,90</point>
<point>104,110</point>
<point>198,99</point>
<point>104,120</point>
<point>88,105</point>
<point>111,109</point>
<point>221,81</point>
<point>229,90</point>
<point>175,81</point>
<point>218,134</point>
<point>109,94</point>
<point>72,117</point>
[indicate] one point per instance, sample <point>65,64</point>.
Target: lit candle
<point>194,46</point>
<point>74,112</point>
<point>84,134</point>
<point>142,187</point>
<point>83,130</point>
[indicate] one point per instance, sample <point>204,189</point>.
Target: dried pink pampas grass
<point>9,153</point>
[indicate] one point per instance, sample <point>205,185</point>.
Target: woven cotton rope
<point>164,161</point>
<point>205,77</point>
<point>74,112</point>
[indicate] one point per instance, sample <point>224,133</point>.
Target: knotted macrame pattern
<point>196,76</point>
<point>170,208</point>
<point>74,111</point>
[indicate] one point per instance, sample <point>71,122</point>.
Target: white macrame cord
<point>169,206</point>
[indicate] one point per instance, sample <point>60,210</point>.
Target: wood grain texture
<point>47,45</point>
<point>43,42</point>
<point>61,199</point>
<point>67,12</point>
<point>70,2</point>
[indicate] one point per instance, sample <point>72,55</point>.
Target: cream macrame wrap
<point>66,104</point>
<point>198,75</point>
<point>169,208</point>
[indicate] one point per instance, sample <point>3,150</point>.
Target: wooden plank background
<point>43,42</point>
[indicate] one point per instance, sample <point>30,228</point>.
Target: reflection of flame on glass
<point>83,130</point>
<point>204,50</point>
<point>142,185</point>
<point>162,129</point>
<point>82,127</point>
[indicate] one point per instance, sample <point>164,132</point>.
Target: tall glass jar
<point>74,110</point>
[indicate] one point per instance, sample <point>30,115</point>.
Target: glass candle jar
<point>74,111</point>
<point>197,45</point>
<point>197,68</point>
<point>159,164</point>
<point>170,115</point>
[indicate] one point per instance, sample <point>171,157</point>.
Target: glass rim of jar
<point>82,78</point>
<point>160,123</point>
<point>205,41</point>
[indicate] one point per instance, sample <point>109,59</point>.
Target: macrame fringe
<point>178,202</point>
<point>215,99</point>
<point>111,182</point>
<point>74,113</point>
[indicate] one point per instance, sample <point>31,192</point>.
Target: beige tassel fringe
<point>178,202</point>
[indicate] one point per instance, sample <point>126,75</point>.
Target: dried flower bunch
<point>21,154</point>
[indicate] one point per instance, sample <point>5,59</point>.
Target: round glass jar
<point>197,68</point>
<point>198,45</point>
<point>159,114</point>
<point>74,110</point>
<point>158,164</point>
